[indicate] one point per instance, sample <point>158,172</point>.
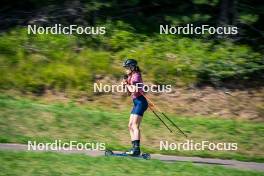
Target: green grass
<point>29,163</point>
<point>23,119</point>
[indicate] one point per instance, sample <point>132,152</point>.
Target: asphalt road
<point>166,158</point>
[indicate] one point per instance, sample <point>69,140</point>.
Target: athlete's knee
<point>130,127</point>
<point>135,127</point>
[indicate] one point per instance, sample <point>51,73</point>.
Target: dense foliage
<point>38,62</point>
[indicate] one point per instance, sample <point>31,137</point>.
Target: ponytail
<point>137,69</point>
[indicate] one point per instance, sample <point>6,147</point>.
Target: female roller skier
<point>134,83</point>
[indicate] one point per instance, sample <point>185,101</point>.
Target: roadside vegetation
<point>13,163</point>
<point>71,64</point>
<point>23,120</point>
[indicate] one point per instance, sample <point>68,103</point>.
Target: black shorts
<point>140,105</point>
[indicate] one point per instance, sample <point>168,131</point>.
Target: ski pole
<point>173,124</point>
<point>160,119</point>
<point>164,115</point>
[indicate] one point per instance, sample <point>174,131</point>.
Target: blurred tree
<point>227,12</point>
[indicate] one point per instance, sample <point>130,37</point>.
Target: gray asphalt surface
<point>166,158</point>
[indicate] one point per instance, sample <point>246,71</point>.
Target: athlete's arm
<point>131,88</point>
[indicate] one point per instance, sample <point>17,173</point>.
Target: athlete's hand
<point>124,82</point>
